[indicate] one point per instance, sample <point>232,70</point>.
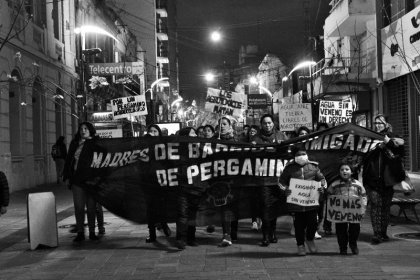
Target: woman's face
<point>379,125</point>
<point>253,132</point>
<point>303,133</point>
<point>267,124</point>
<point>208,133</point>
<point>153,131</point>
<point>84,132</point>
<point>224,126</point>
<point>345,172</point>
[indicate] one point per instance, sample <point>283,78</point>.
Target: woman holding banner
<point>270,193</point>
<point>155,199</point>
<point>382,169</point>
<point>305,221</point>
<point>75,168</point>
<point>228,211</point>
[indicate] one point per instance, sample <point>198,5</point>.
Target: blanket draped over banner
<point>122,173</point>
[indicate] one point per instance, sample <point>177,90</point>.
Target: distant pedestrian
<point>59,154</point>
<point>4,193</point>
<point>347,233</point>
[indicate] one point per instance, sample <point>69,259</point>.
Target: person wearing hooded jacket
<point>305,221</point>
<point>270,193</point>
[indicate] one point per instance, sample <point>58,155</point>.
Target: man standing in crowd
<point>4,193</point>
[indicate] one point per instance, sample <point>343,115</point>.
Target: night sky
<point>276,26</point>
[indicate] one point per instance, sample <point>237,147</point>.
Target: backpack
<point>55,151</point>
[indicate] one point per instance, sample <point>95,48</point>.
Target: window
<point>16,113</point>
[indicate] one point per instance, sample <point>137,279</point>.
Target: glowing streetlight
<point>93,29</point>
<point>300,66</point>
<point>253,80</point>
<point>177,101</point>
<point>216,36</point>
<point>209,77</point>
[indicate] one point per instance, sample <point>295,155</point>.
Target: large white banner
<point>225,102</point>
<point>293,116</point>
<point>401,45</point>
<point>125,107</point>
<point>336,112</point>
<point>304,192</point>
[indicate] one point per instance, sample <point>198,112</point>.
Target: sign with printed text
<point>257,101</point>
<point>111,69</point>
<point>109,133</point>
<point>304,192</point>
<point>125,107</point>
<point>293,116</point>
<point>337,112</point>
<point>225,102</point>
<point>345,209</point>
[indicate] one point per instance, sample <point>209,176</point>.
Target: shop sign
<point>111,69</point>
<point>257,101</point>
<point>109,133</point>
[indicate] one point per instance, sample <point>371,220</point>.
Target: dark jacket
<point>63,151</point>
<point>309,171</point>
<point>4,190</point>
<point>273,138</point>
<point>383,167</point>
<point>82,173</point>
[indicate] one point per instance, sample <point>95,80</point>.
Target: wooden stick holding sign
<point>304,192</point>
<point>345,209</point>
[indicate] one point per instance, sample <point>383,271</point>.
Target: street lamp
<point>209,77</point>
<point>301,65</point>
<point>155,83</point>
<point>216,36</point>
<point>82,31</point>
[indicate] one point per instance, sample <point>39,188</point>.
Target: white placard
<point>293,116</point>
<point>225,102</point>
<point>303,192</point>
<point>125,107</point>
<point>336,112</point>
<point>345,209</point>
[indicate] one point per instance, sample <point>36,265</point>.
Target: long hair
<point>382,119</point>
<point>90,127</point>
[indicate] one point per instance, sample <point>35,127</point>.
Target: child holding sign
<point>301,179</point>
<point>346,205</point>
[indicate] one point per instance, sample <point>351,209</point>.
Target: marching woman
<point>156,199</point>
<point>305,221</point>
<point>382,169</point>
<point>270,193</point>
<point>75,172</point>
<point>229,211</point>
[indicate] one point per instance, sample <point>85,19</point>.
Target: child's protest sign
<point>345,209</point>
<point>125,107</point>
<point>303,192</point>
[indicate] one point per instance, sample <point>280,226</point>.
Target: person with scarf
<point>270,193</point>
<point>382,169</point>
<point>228,211</point>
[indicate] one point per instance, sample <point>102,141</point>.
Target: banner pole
<point>132,128</point>
<point>220,125</point>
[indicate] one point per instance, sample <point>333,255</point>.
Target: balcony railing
<point>334,4</point>
<point>340,65</point>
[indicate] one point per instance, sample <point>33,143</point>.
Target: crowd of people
<point>307,221</point>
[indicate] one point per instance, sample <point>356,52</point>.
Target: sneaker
<point>254,226</point>
<point>210,228</point>
<point>301,250</point>
<point>93,236</point>
<point>226,241</point>
<point>354,250</point>
<point>375,240</point>
<point>317,235</point>
<point>311,246</point>
<point>79,238</point>
<point>265,243</point>
<point>180,244</point>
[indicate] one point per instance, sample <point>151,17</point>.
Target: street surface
<point>123,254</point>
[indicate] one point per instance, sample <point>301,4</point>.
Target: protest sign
<point>303,192</point>
<point>337,112</point>
<point>120,173</point>
<point>225,102</point>
<point>257,101</point>
<point>345,209</point>
<point>125,107</point>
<point>293,116</point>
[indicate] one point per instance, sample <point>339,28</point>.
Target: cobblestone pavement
<point>123,254</point>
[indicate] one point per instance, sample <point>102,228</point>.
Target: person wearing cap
<point>305,221</point>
